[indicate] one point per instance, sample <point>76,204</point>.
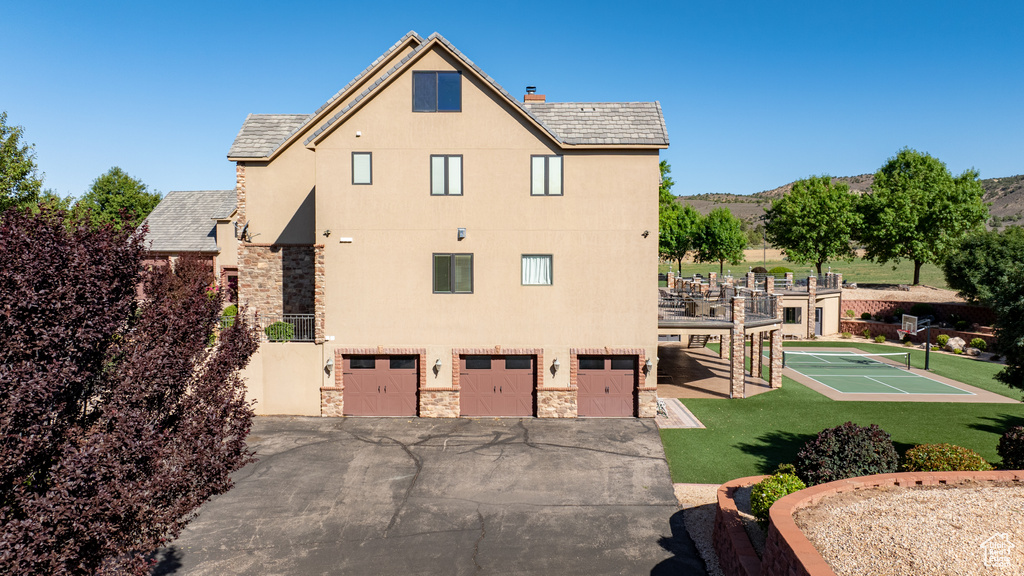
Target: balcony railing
<point>760,307</point>
<point>693,308</point>
<point>287,327</point>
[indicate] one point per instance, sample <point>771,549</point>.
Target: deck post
<point>738,344</point>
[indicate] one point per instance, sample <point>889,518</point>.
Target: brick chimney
<point>532,96</point>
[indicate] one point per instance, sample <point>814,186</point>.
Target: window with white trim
<point>546,175</point>
<point>537,270</point>
<point>446,175</point>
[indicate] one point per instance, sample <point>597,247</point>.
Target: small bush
<point>936,348</point>
<point>280,332</point>
<point>1011,449</point>
<point>942,340</point>
<point>227,317</point>
<point>846,335</point>
<point>898,313</point>
<point>922,309</point>
<point>962,325</point>
<point>230,311</point>
<point>767,491</point>
<point>957,351</point>
<point>779,270</point>
<point>979,344</point>
<point>759,270</point>
<point>865,316</point>
<point>846,451</point>
<point>943,458</point>
<point>867,333</point>
<point>907,343</point>
<point>880,338</point>
<point>850,313</point>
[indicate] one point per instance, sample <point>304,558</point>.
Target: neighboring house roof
<point>184,221</point>
<point>570,123</point>
<point>603,122</point>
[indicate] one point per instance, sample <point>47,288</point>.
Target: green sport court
<point>863,373</point>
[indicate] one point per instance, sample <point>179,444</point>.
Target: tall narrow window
<point>537,270</point>
<point>546,175</point>
<point>362,168</point>
<point>436,92</point>
<point>446,175</point>
<point>453,273</point>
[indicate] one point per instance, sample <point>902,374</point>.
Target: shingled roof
<point>184,220</point>
<point>572,123</point>
<point>603,122</point>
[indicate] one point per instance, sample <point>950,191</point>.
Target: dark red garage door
<point>380,385</point>
<point>497,385</point>
<point>605,386</point>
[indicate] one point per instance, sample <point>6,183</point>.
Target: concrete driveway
<point>462,496</point>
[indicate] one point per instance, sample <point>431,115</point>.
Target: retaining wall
<point>789,553</point>
<point>973,314</point>
<point>856,327</point>
<point>736,555</point>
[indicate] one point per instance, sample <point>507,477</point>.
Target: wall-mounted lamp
<point>646,232</point>
<point>555,366</point>
<point>329,366</point>
<point>327,233</point>
<point>648,365</point>
<point>359,133</point>
<point>462,233</point>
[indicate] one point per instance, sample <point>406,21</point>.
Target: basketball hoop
<point>901,334</point>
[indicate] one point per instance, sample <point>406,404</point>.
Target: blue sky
<point>755,94</point>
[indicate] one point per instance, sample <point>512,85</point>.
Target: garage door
<point>497,385</point>
<point>605,386</point>
<point>380,385</point>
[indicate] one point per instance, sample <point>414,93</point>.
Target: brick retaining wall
<point>973,314</point>
<point>736,555</point>
<point>789,553</point>
<point>856,327</point>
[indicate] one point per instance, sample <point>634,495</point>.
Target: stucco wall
<point>286,377</point>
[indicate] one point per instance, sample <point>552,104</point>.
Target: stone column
<point>775,350</point>
<point>789,278</point>
<point>319,305</point>
<point>812,293</point>
<point>751,281</point>
<point>769,284</point>
<point>759,373</point>
<point>736,376</point>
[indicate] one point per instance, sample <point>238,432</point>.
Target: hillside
<point>1006,196</point>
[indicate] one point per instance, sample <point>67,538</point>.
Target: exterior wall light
<point>648,365</point>
<point>437,364</point>
<point>555,366</point>
<point>329,366</point>
<point>462,233</point>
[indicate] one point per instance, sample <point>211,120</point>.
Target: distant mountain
<point>1006,196</point>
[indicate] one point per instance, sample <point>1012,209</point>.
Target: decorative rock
<point>972,351</point>
<point>955,343</point>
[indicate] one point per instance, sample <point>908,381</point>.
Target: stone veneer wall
<point>554,403</point>
<point>789,553</point>
<point>973,314</point>
<point>736,555</point>
<point>281,279</point>
<point>439,403</point>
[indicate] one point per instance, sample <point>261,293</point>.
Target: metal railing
<point>694,308</point>
<point>828,282</point>
<point>287,327</point>
<point>760,307</point>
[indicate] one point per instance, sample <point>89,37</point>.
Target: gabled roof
<point>567,123</point>
<point>603,122</point>
<point>184,221</point>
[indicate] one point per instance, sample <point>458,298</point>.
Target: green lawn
<point>857,271</point>
<point>754,435</point>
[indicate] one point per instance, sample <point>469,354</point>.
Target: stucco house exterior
<point>446,249</point>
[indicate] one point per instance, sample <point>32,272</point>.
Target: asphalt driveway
<point>424,496</point>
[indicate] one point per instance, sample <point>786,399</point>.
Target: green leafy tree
<point>988,268</point>
<point>721,239</point>
<point>20,181</point>
<point>679,229</point>
<point>918,210</point>
<point>814,222</point>
<point>665,196</point>
<point>117,198</point>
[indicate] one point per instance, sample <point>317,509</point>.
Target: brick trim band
<point>339,354</point>
<point>498,350</point>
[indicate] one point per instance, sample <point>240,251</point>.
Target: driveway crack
<point>476,546</point>
<point>412,483</point>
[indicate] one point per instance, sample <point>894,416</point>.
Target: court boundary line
<point>914,374</point>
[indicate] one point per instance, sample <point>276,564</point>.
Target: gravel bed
<point>961,529</point>
<point>699,502</point>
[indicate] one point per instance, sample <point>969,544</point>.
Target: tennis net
<point>799,360</point>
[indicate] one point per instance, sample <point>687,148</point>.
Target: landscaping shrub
<point>759,270</point>
<point>865,316</point>
<point>880,338</point>
<point>846,335</point>
<point>907,343</point>
<point>230,311</point>
<point>943,458</point>
<point>979,344</point>
<point>227,317</point>
<point>1011,449</point>
<point>922,309</point>
<point>850,313</point>
<point>846,451</point>
<point>779,270</point>
<point>898,313</point>
<point>962,325</point>
<point>957,351</point>
<point>767,491</point>
<point>867,333</point>
<point>280,332</point>
<point>942,340</point>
